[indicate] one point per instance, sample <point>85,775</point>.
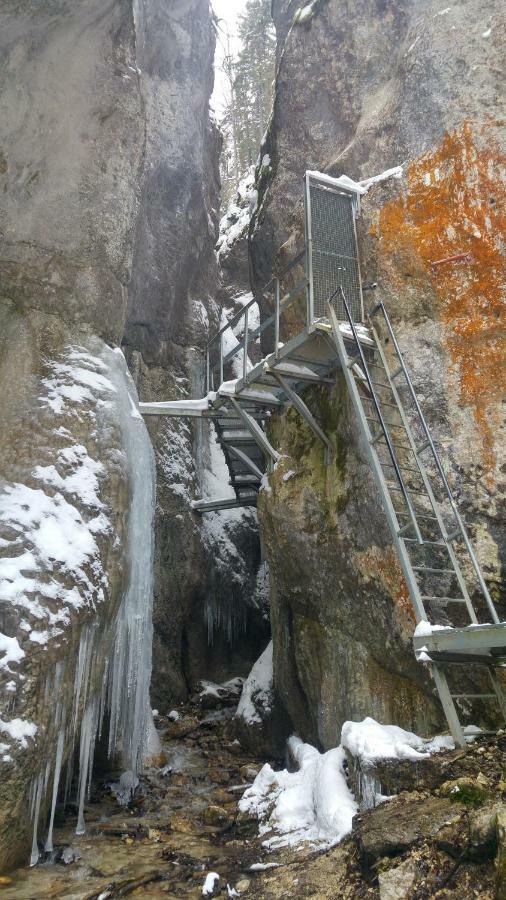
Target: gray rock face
<point>109,185</point>
<point>362,87</point>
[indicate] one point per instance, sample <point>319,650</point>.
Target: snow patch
<point>19,730</point>
<point>235,222</point>
<point>210,883</point>
<point>10,652</point>
<point>257,689</point>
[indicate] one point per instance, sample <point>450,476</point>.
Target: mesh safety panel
<point>335,255</point>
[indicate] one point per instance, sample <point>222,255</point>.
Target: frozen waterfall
<point>112,675</point>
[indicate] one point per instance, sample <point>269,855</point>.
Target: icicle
<point>88,734</point>
<point>56,782</point>
<point>34,858</point>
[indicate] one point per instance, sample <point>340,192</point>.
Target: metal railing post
<point>207,370</point>
<point>221,358</point>
<point>309,253</point>
<point>245,348</point>
<point>276,320</point>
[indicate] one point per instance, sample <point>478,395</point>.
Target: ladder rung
<point>401,446</point>
<point>454,534</point>
<point>422,447</point>
<point>446,600</point>
<point>392,487</point>
<point>397,372</point>
<point>376,437</point>
<point>427,543</point>
<point>390,425</point>
<point>434,571</point>
<point>381,384</point>
<point>383,403</point>
<point>401,466</point>
<point>418,515</point>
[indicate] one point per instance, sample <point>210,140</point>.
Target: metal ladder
<point>432,544</point>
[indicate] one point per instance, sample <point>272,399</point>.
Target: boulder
<point>389,830</point>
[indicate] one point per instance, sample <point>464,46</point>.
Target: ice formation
<point>60,522</point>
<point>312,804</point>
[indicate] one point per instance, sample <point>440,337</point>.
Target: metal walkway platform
<point>442,573</point>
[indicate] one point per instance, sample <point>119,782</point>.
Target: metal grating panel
<point>334,251</point>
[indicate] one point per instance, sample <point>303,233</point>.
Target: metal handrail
<point>280,304</point>
<point>384,429</point>
<point>430,444</point>
<point>238,316</point>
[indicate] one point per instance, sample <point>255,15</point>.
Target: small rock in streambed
<point>181,727</point>
<point>249,772</point>
<point>397,883</point>
<point>70,855</point>
<point>216,815</point>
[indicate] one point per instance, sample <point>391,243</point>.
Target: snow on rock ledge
<point>256,700</point>
<point>234,223</point>
<point>382,758</point>
<point>261,723</point>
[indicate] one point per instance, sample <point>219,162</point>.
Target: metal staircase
<point>431,540</point>
<point>457,624</point>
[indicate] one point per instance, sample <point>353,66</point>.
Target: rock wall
<point>109,185</point>
<point>362,87</point>
<point>171,311</point>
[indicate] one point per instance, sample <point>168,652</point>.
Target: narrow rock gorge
<point>189,701</point>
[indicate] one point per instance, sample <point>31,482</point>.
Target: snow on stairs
<point>431,540</point>
<point>247,403</point>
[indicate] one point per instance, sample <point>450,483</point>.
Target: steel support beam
<point>203,506</point>
<point>308,417</point>
<point>256,432</point>
<point>246,460</point>
<point>471,637</point>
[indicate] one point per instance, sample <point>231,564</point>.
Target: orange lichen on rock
<point>455,203</point>
<point>384,566</point>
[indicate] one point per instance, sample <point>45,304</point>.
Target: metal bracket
<point>308,417</point>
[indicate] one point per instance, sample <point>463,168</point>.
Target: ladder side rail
<point>426,481</point>
<point>392,520</point>
<point>384,429</point>
<point>460,524</point>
